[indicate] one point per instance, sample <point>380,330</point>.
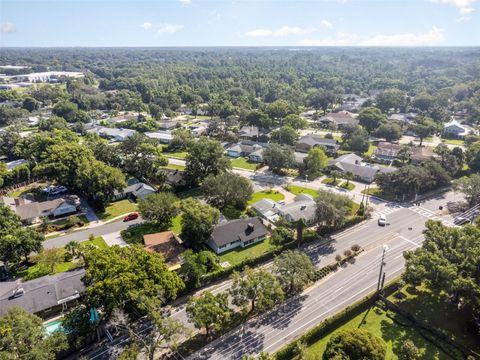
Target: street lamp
<point>381,276</point>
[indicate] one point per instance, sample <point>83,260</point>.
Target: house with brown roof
<point>168,245</point>
<point>339,120</point>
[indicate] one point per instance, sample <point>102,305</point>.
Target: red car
<point>131,216</point>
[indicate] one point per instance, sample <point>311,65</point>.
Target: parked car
<point>131,216</point>
<point>49,189</point>
<point>461,221</point>
<point>382,221</point>
<point>59,190</point>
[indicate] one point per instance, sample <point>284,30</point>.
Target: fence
<point>10,188</point>
<point>423,325</point>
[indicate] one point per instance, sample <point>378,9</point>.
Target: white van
<point>382,221</point>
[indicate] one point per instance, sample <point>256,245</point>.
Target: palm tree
<point>72,247</point>
<point>300,226</point>
<point>335,174</point>
<point>348,176</point>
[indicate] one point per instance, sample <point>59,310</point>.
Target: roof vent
<point>303,207</point>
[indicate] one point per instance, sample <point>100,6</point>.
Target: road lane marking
<point>408,240</point>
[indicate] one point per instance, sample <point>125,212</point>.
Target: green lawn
<point>378,193</point>
<point>392,328</point>
<point>350,186</point>
<point>195,192</point>
<point>370,151</point>
<point>297,190</point>
<point>458,142</point>
<point>238,255</point>
<point>117,208</point>
<point>243,163</point>
<point>174,167</point>
<point>428,306</point>
<point>268,194</point>
<point>329,181</point>
<point>98,242</point>
<point>134,234</point>
<point>176,155</point>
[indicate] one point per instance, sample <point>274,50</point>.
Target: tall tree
<point>165,331</point>
<point>278,157</point>
<point>24,337</point>
<point>470,187</point>
<point>159,208</point>
<point>198,221</point>
<point>208,311</point>
<point>227,190</point>
<point>294,271</point>
<point>117,275</point>
<point>391,99</point>
<point>313,164</point>
<point>205,157</point>
<point>371,118</point>
<point>332,209</point>
<point>258,289</point>
<point>286,135</point>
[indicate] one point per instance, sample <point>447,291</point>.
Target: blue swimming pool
<point>52,326</point>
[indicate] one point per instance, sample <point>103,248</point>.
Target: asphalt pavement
<point>279,327</point>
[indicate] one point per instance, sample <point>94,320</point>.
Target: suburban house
<point>252,149</point>
<point>166,244</point>
<point>15,163</point>
<point>387,151</point>
<point>32,211</point>
<point>403,118</point>
<point>248,132</point>
<point>162,137</point>
<point>134,190</point>
<point>117,134</point>
<point>46,296</point>
<point>352,102</point>
<point>339,120</point>
<point>303,207</point>
<point>308,115</point>
<point>351,163</point>
<point>167,124</point>
<point>174,177</point>
<point>237,233</point>
<point>455,129</point>
<point>307,142</point>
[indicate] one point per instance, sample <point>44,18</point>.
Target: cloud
<point>464,6</point>
<point>325,24</point>
<point>341,39</point>
<point>166,28</point>
<point>185,2</point>
<point>7,28</point>
<point>279,32</point>
<point>147,25</point>
<point>162,28</point>
<point>434,37</point>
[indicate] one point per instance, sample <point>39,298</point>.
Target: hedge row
<point>330,324</point>
<point>324,230</point>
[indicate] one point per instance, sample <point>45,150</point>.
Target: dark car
<point>131,216</point>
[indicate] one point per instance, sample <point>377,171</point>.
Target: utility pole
<point>381,276</point>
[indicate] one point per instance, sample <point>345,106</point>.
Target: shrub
<point>347,253</point>
<point>355,248</point>
<point>338,258</point>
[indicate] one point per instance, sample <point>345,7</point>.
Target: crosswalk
<point>390,208</point>
<point>430,215</point>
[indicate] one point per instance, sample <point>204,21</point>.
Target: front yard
<point>266,194</point>
<point>117,208</point>
<point>297,190</point>
<point>236,256</point>
<point>243,163</point>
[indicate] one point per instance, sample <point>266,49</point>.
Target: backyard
<point>391,327</point>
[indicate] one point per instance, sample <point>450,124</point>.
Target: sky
<point>106,23</point>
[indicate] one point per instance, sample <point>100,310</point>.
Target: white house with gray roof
<point>303,207</point>
<point>237,233</point>
<point>354,164</point>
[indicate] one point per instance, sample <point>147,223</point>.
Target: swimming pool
<point>52,326</point>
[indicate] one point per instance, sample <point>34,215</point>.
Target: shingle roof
<point>313,140</point>
<point>238,229</point>
<point>303,208</point>
<point>45,292</point>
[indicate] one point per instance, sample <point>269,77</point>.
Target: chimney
<point>303,207</point>
<point>250,227</point>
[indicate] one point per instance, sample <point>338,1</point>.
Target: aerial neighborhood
<point>159,202</point>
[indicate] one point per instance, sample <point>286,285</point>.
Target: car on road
<point>131,216</point>
<point>461,220</point>
<point>382,220</point>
